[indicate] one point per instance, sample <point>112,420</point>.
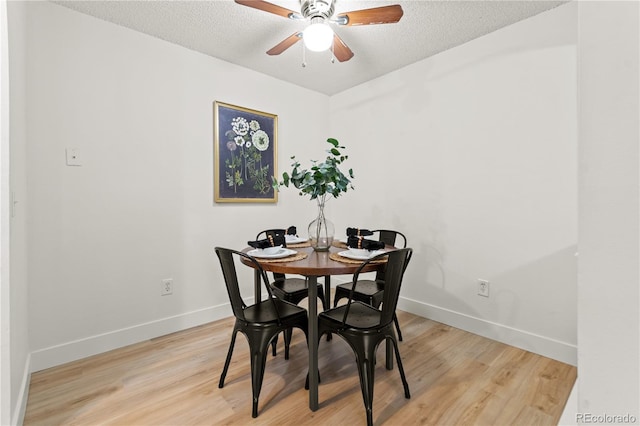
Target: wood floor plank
<point>455,377</point>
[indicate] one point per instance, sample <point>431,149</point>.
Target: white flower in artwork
<point>260,140</point>
<point>240,126</point>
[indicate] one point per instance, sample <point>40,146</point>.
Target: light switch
<point>73,157</point>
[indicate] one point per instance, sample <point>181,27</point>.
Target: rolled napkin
<point>270,241</point>
<point>292,230</point>
<point>357,232</point>
<point>361,243</point>
<point>277,240</point>
<point>260,244</point>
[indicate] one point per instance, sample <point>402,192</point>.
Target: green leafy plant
<point>321,178</point>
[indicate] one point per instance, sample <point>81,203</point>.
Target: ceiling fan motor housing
<point>318,8</point>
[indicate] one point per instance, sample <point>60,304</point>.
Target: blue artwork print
<point>246,154</point>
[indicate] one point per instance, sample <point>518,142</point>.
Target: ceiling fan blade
<point>340,50</point>
<point>269,7</point>
<point>285,44</point>
<point>377,15</point>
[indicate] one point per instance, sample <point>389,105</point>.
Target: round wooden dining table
<point>315,264</point>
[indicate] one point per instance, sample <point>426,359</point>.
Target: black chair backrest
<point>276,234</point>
<point>227,263</point>
<point>390,237</point>
<point>396,265</point>
<point>394,273</point>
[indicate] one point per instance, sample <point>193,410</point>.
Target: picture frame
<point>245,154</point>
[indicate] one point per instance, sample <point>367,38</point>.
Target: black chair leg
<point>365,351</point>
<point>274,343</point>
<point>336,298</point>
<point>407,394</point>
<point>259,347</point>
<point>366,370</point>
<point>257,375</point>
<point>395,320</point>
<point>287,341</point>
<point>322,299</point>
<point>228,360</point>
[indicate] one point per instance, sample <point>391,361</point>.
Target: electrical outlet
<point>483,288</point>
<point>73,157</point>
<point>166,287</point>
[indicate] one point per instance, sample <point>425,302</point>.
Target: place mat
<point>298,256</point>
<point>338,258</point>
<point>339,244</point>
<point>299,245</point>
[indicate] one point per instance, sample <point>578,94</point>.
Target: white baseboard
<point>82,348</point>
<point>21,404</point>
<point>560,351</point>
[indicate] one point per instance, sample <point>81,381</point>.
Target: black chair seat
<point>361,316</point>
<point>293,288</point>
<point>265,312</point>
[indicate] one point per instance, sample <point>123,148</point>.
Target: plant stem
<point>321,220</point>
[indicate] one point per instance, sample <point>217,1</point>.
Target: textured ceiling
<point>241,35</point>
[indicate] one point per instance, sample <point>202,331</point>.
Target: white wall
<point>472,154</point>
<point>16,194</point>
<point>5,294</point>
<point>436,211</point>
<point>608,315</point>
<point>481,139</point>
<point>140,208</point>
<point>103,235</point>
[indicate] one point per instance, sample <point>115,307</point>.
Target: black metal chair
<point>260,322</point>
<point>290,289</point>
<point>364,327</point>
<point>372,291</point>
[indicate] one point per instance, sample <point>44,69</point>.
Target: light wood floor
<point>456,378</point>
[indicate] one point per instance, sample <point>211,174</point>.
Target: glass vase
<point>321,230</point>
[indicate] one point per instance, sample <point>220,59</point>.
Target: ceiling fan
<point>319,36</point>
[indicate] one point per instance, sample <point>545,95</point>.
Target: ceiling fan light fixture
<point>318,36</point>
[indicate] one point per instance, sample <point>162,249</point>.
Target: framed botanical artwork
<point>245,153</point>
